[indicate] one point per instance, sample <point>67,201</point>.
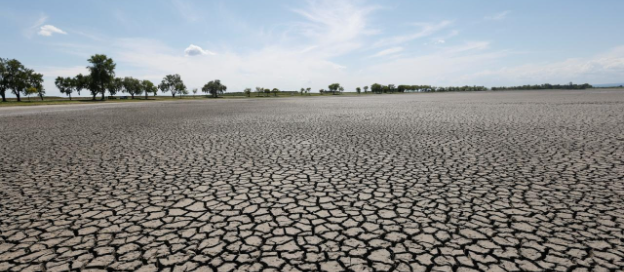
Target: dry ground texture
<point>499,181</point>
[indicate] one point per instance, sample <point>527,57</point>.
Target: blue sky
<point>294,44</point>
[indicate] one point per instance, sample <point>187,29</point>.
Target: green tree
<point>31,91</point>
<point>36,82</point>
<point>275,91</point>
<point>81,82</point>
<point>173,84</point>
<point>132,86</point>
<point>64,86</point>
<point>267,91</point>
<point>259,91</point>
<point>358,90</point>
<point>247,92</point>
<point>102,71</point>
<point>114,86</point>
<point>214,88</point>
<point>376,88</point>
<point>340,89</point>
<point>334,87</point>
<point>194,93</point>
<point>365,89</point>
<point>308,89</point>
<point>4,82</point>
<point>149,87</point>
<point>15,77</point>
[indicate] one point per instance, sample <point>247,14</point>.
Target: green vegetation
<point>20,80</point>
<point>545,86</point>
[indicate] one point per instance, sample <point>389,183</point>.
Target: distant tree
<point>102,71</point>
<point>376,88</point>
<point>80,82</point>
<point>247,92</point>
<point>275,91</point>
<point>116,85</point>
<point>132,86</point>
<point>194,92</point>
<point>63,86</point>
<point>334,87</point>
<point>4,78</point>
<point>35,81</point>
<point>391,88</point>
<point>173,84</point>
<point>341,89</point>
<point>31,91</point>
<point>267,92</point>
<point>308,89</point>
<point>358,90</point>
<point>214,88</point>
<point>15,76</point>
<point>259,91</point>
<point>302,91</point>
<point>149,87</point>
<point>365,89</point>
<point>321,91</point>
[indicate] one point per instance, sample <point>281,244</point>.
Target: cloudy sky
<point>293,44</point>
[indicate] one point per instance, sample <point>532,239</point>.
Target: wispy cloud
<point>498,16</point>
<point>389,51</point>
<point>426,29</point>
<point>48,30</point>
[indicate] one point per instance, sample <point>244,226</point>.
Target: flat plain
<point>498,181</point>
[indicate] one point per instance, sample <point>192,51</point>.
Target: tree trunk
<point>69,97</point>
<point>19,99</point>
<point>132,95</point>
<point>103,94</point>
<point>145,95</point>
<point>3,97</point>
<point>41,96</point>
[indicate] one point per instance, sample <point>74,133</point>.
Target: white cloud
<point>194,50</point>
<point>426,29</point>
<point>497,17</point>
<point>388,51</point>
<point>48,30</point>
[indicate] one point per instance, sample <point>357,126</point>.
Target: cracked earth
<point>505,181</point>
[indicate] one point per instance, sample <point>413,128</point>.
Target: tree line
<point>101,80</point>
<point>546,86</point>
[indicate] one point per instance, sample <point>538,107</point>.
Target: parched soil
<point>499,181</point>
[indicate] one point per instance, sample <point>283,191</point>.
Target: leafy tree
<point>365,89</point>
<point>81,82</point>
<point>35,81</point>
<point>194,93</point>
<point>267,92</point>
<point>15,77</point>
<point>376,88</point>
<point>214,88</point>
<point>275,91</point>
<point>259,91</point>
<point>334,87</point>
<point>102,71</point>
<point>31,91</point>
<point>321,91</point>
<point>308,89</point>
<point>302,91</point>
<point>132,86</point>
<point>114,86</point>
<point>341,89</point>
<point>358,90</point>
<point>4,78</point>
<point>247,92</point>
<point>149,87</point>
<point>173,84</point>
<point>64,86</point>
<point>391,88</point>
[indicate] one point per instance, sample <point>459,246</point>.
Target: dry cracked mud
<point>504,181</point>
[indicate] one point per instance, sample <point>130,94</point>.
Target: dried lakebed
<point>498,181</point>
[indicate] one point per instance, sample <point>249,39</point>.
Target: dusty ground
<point>474,181</point>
